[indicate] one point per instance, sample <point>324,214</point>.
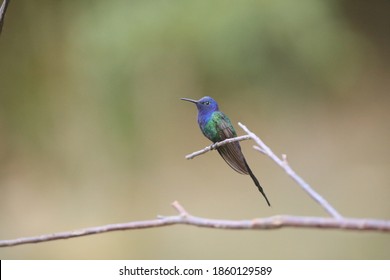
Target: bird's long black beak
<point>189,100</point>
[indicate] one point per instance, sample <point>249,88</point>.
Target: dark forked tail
<point>256,182</point>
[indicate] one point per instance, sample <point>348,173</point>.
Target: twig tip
<point>179,208</point>
<point>284,158</point>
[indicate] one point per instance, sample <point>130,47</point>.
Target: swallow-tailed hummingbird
<point>216,126</point>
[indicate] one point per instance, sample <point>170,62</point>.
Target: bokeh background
<point>92,130</point>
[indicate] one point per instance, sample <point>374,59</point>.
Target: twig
<point>216,145</point>
<point>284,165</point>
<point>274,222</point>
<point>263,148</point>
<point>3,9</point>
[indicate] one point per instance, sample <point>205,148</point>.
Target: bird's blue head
<point>206,105</point>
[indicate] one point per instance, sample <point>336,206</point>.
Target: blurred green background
<point>92,130</point>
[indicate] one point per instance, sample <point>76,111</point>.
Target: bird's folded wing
<point>231,152</point>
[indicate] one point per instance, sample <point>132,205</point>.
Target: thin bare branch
<point>274,222</point>
<point>3,10</point>
<point>216,145</point>
<point>284,165</point>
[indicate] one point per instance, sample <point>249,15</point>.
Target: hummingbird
<point>216,126</point>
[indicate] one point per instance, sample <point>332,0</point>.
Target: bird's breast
<point>207,126</point>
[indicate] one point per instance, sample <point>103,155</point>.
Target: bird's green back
<point>218,127</point>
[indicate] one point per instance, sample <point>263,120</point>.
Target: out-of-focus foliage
<point>92,130</point>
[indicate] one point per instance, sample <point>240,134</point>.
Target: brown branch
<point>274,222</point>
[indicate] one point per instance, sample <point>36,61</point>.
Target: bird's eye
<point>207,103</point>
